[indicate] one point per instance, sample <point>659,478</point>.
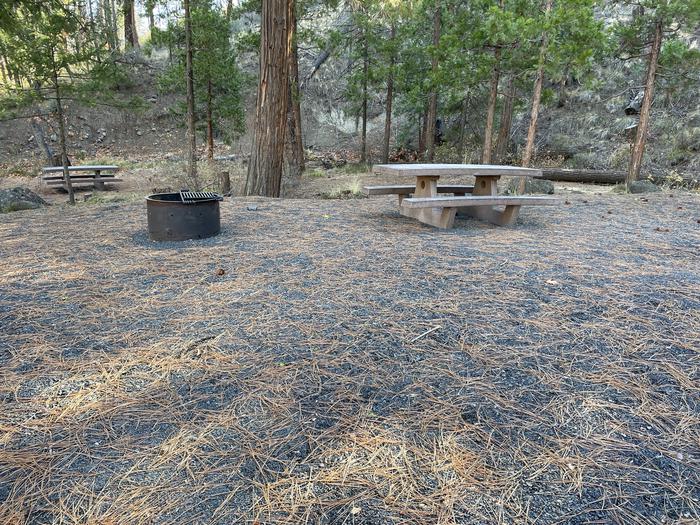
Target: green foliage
<point>217,78</point>
<point>54,49</point>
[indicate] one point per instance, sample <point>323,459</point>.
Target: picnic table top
<point>436,170</point>
<point>82,168</point>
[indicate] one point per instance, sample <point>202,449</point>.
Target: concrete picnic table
<point>428,207</point>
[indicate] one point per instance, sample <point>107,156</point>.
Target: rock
<point>139,132</point>
<point>531,186</point>
<point>643,186</point>
<point>18,198</point>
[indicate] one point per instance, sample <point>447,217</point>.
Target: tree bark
<point>191,123</point>
<point>462,141</point>
<point>295,160</point>
<point>506,121</point>
<point>423,130</point>
<point>536,97</point>
<point>62,132</point>
<point>40,138</point>
<point>610,177</point>
<point>432,101</point>
<point>267,151</point>
<point>210,124</point>
<point>389,99</point>
<point>491,111</point>
<point>365,74</point>
<point>151,17</point>
<point>640,138</point>
<point>108,25</point>
<point>131,39</point>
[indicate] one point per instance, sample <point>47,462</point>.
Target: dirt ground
<point>331,362</point>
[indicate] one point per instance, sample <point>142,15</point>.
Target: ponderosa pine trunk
<point>191,123</point>
<point>295,157</point>
<point>536,98</point>
<point>131,38</point>
<point>267,151</point>
<point>365,74</point>
<point>491,111</point>
<point>640,138</point>
<point>506,121</point>
<point>389,99</point>
<point>432,100</point>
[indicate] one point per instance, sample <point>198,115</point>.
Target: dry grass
<point>309,383</point>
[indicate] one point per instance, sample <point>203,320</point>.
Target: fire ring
<point>184,215</point>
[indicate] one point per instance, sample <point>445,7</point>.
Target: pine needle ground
<point>352,366</point>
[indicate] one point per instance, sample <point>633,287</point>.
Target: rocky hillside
<point>586,131</point>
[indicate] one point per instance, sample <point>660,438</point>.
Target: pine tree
<point>645,35</point>
<point>53,60</point>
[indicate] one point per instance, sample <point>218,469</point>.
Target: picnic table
<point>96,176</point>
<point>429,207</point>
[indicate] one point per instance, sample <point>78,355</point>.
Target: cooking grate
<point>190,197</point>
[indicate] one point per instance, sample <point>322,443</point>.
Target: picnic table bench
<point>427,206</point>
<point>97,176</point>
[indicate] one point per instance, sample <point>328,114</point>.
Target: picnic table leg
<point>99,185</point>
<point>426,186</point>
<point>485,186</point>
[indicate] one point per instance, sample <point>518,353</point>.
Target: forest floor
<point>330,361</point>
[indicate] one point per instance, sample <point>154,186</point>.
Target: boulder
<point>539,186</point>
<point>16,199</point>
<point>642,186</point>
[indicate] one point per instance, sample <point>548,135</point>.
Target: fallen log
<point>576,175</point>
<point>612,177</point>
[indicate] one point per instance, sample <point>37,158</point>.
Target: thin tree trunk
<point>461,142</point>
<point>422,130</point>
<point>131,39</point>
<point>94,22</point>
<point>210,124</point>
<point>365,74</point>
<point>267,151</point>
<point>491,111</point>
<point>389,99</point>
<point>62,133</point>
<point>295,161</point>
<point>229,9</point>
<point>506,121</point>
<point>563,95</point>
<point>151,17</point>
<point>108,25</point>
<point>536,98</point>
<point>191,123</point>
<point>493,99</point>
<point>640,138</point>
<point>432,101</point>
<point>4,72</point>
<point>40,138</point>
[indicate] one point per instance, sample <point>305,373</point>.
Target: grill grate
<point>190,197</point>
